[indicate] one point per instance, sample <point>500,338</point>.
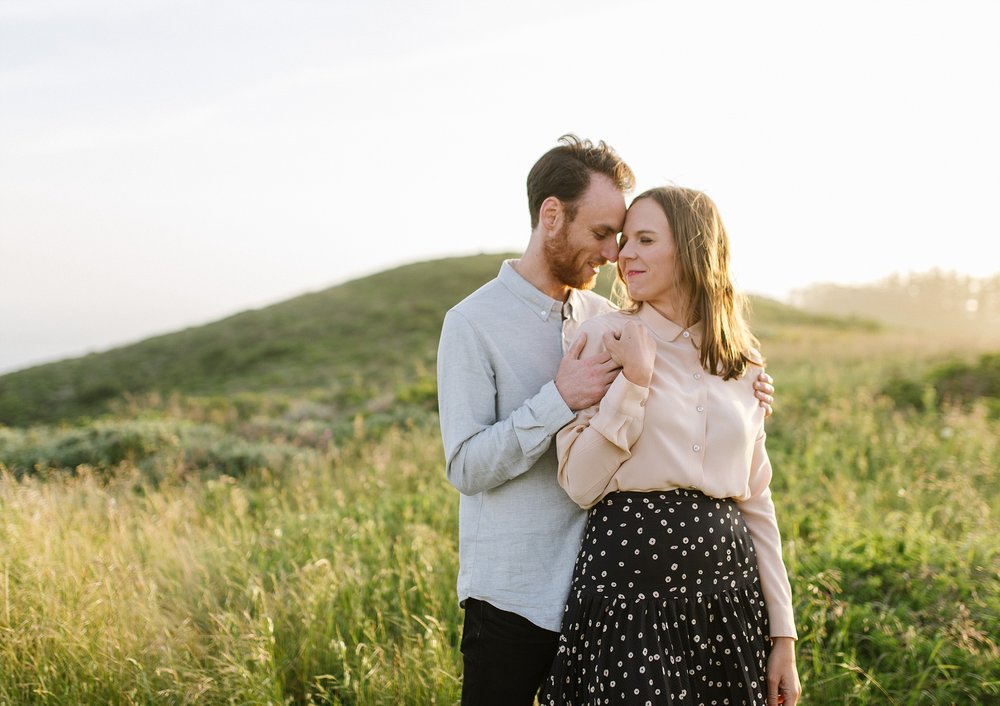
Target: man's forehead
<point>603,202</point>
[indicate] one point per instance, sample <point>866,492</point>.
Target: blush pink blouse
<point>688,429</point>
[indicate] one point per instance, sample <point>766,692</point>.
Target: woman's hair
<point>704,281</point>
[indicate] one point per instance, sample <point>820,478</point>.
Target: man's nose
<point>610,252</point>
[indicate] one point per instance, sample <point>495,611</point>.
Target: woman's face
<point>647,260</point>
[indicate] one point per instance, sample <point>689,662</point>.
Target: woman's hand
<point>635,350</point>
<point>782,677</point>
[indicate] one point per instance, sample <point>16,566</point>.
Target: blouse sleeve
<point>598,441</point>
<point>758,512</point>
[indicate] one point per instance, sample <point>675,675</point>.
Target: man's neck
<point>537,273</point>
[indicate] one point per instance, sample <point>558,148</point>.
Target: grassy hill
<point>347,344</point>
<point>371,332</point>
<point>256,511</point>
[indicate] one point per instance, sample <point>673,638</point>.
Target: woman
<point>680,594</point>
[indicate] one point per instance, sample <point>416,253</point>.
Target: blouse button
<point>697,376</point>
<point>700,408</point>
<point>696,447</point>
<point>686,334</point>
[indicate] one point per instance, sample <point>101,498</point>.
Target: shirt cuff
<point>623,404</point>
<point>550,409</point>
<point>781,622</point>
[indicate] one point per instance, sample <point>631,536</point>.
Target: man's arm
<point>481,451</point>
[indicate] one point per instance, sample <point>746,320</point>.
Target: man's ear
<point>551,214</point>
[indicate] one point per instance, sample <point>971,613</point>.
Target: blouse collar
<point>666,330</point>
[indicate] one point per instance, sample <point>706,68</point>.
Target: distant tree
<point>945,302</point>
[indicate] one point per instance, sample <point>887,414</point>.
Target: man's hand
<point>763,389</point>
<point>583,383</point>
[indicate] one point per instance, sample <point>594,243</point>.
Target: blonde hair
<point>702,263</point>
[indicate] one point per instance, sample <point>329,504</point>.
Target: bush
<point>103,444</point>
<point>907,393</point>
<point>962,383</point>
<point>956,382</point>
<point>154,446</point>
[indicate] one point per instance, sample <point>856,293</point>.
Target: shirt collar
<point>541,304</point>
<point>574,307</point>
<point>666,330</point>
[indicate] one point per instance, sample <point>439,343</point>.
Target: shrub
<point>955,382</point>
<point>961,383</point>
<point>102,444</point>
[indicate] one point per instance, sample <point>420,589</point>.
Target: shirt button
<point>700,408</point>
<point>696,447</point>
<point>697,376</point>
<point>542,312</point>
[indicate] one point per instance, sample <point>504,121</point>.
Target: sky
<point>166,163</point>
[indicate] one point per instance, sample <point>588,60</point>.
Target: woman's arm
<point>598,441</point>
<point>758,513</point>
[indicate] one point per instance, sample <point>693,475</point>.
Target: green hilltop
<point>350,342</point>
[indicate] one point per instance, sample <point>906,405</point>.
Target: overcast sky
<point>165,163</point>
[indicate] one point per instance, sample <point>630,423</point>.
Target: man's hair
<point>564,172</point>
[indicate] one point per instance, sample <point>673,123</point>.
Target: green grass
<point>289,545</point>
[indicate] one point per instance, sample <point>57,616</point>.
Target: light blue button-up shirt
<point>519,533</point>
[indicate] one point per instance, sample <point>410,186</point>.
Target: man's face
<point>576,252</point>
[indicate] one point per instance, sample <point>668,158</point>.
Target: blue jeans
<point>506,657</point>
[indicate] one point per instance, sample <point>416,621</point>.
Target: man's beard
<point>563,262</point>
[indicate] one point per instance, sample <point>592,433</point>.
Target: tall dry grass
<point>214,560</point>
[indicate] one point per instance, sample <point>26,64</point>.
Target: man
<point>505,388</point>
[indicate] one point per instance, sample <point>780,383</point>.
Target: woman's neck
<point>669,309</point>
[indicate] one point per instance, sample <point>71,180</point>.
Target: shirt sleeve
<point>481,451</point>
<point>600,439</point>
<point>758,513</point>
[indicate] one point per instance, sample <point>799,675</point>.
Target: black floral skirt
<point>665,607</point>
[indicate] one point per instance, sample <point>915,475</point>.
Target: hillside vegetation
<point>380,329</point>
<point>279,530</point>
<point>352,343</point>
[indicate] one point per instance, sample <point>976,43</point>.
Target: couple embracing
<point>617,538</point>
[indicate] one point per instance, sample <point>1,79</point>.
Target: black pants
<point>505,656</point>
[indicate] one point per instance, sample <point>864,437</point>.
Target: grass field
<point>297,543</point>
